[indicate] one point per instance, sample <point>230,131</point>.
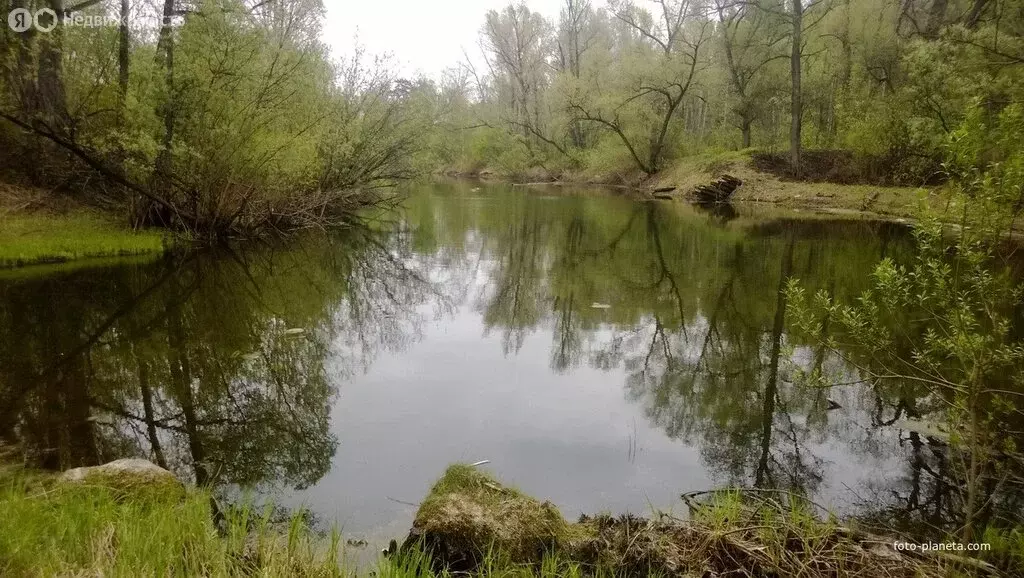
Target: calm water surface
<point>602,353</point>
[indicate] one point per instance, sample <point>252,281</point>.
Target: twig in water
<point>402,502</point>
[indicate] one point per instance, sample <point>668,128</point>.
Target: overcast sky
<point>423,35</point>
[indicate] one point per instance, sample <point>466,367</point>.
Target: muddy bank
<point>470,519</point>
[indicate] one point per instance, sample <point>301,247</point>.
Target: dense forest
<point>228,117</point>
<point>629,87</point>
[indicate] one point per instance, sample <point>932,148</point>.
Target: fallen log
<point>718,191</point>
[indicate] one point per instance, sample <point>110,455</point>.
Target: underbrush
<point>845,167</point>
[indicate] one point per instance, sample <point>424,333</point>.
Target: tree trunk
<point>936,15</point>
<point>771,390</point>
<point>796,101</point>
<point>165,57</point>
<point>150,415</point>
<point>746,133</point>
<point>122,56</point>
<point>181,380</point>
<point>50,81</point>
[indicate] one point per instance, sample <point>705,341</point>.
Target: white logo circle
<point>53,19</point>
<point>20,20</point>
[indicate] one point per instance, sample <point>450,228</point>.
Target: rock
<point>127,475</point>
<point>467,513</point>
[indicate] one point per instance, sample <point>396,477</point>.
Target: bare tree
<point>750,39</point>
<point>794,12</point>
<point>680,36</point>
<point>575,36</point>
<point>515,38</point>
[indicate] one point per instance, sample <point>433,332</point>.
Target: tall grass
<point>49,529</point>
<point>52,529</point>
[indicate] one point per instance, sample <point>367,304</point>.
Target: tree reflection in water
<point>222,366</point>
<point>696,317</point>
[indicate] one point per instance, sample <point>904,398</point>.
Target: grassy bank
<point>469,521</point>
<point>763,187</point>
<point>53,529</point>
<point>34,230</point>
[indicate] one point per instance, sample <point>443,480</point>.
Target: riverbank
<point>469,523</point>
<point>53,528</point>
<point>764,187</point>
<point>37,228</point>
<point>469,519</point>
<point>685,174</point>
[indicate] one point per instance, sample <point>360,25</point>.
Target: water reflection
<point>602,352</point>
<point>223,367</point>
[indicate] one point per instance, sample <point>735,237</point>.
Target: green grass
<point>51,529</point>
<point>31,238</point>
<point>48,528</point>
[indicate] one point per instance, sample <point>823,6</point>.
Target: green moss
<point>129,479</point>
<point>468,513</point>
<point>31,238</point>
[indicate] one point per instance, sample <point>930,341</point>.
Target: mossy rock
<point>468,514</point>
<point>128,477</point>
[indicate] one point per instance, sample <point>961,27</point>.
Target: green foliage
<point>945,321</point>
<point>886,80</point>
<point>1007,547</point>
<point>228,119</point>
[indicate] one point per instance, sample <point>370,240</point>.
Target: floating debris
<point>480,463</point>
<point>294,331</point>
<point>596,305</point>
<point>357,543</point>
<point>923,427</point>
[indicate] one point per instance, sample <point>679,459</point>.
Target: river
<point>602,353</point>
